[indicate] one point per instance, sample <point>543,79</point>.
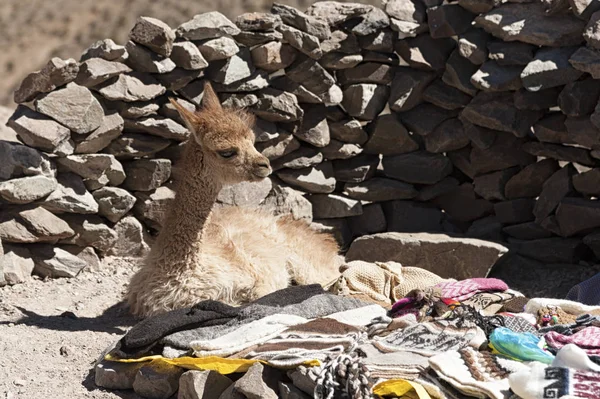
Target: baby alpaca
<point>230,254</point>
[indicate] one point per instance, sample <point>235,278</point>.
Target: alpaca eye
<point>228,153</point>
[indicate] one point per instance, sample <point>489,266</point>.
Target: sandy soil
<point>33,31</point>
<point>51,332</point>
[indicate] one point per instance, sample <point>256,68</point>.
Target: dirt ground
<point>51,333</point>
<point>33,31</point>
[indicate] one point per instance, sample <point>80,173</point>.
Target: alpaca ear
<point>189,117</point>
<point>210,101</point>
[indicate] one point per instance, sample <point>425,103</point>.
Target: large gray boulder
<point>448,257</point>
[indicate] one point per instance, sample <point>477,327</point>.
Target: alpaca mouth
<point>261,173</point>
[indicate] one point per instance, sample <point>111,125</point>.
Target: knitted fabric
<point>423,303</point>
<point>586,292</point>
<point>205,313</point>
<point>582,321</point>
<point>438,388</point>
<point>317,339</point>
<point>430,338</point>
<point>571,307</point>
<point>464,289</point>
<point>514,305</point>
<point>587,339</point>
<point>488,303</point>
<point>542,382</point>
<point>385,282</point>
<point>479,374</point>
<point>572,356</point>
<point>310,308</point>
<point>518,324</point>
<point>253,333</point>
<point>262,330</point>
<point>392,365</point>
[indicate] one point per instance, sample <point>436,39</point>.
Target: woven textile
<point>587,339</point>
<point>479,374</point>
<point>518,324</point>
<point>433,337</point>
<point>310,308</point>
<point>488,303</point>
<point>465,289</point>
<point>385,282</point>
<point>317,339</point>
<point>542,382</point>
<point>571,307</point>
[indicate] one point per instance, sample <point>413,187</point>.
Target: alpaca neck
<point>179,243</point>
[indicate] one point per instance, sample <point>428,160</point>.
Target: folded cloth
<point>465,289</point>
<point>479,374</point>
<point>316,306</point>
<point>572,356</point>
<point>488,303</point>
<point>262,330</point>
<point>206,313</point>
<point>392,365</point>
<point>253,333</point>
<point>542,382</point>
<point>515,305</point>
<point>582,321</point>
<point>587,339</point>
<point>318,339</point>
<point>432,337</point>
<point>517,324</point>
<point>571,307</point>
<point>586,292</point>
<point>384,282</point>
<point>438,388</point>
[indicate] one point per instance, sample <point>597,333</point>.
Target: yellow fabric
<point>401,389</point>
<point>218,364</point>
<point>385,282</point>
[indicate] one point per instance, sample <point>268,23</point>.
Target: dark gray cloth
<point>206,313</point>
<point>317,306</point>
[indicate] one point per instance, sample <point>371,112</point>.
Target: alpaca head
<point>226,139</point>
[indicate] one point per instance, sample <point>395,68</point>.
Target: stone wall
<point>472,118</point>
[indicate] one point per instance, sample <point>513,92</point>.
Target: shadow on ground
<point>111,321</point>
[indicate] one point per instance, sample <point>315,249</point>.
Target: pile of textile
<point>383,330</point>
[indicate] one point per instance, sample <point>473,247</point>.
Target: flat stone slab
<point>448,257</point>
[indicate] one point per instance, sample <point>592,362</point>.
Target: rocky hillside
<point>33,31</point>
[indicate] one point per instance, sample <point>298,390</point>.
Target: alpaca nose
<point>262,168</point>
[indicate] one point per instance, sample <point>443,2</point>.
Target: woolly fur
<point>230,254</point>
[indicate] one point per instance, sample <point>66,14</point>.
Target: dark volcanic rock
<point>417,167</point>
<point>557,187</point>
<point>506,152</point>
<point>387,136</point>
<point>577,216</point>
<point>497,111</point>
<point>530,180</point>
<point>462,205</point>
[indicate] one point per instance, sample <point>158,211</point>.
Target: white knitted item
<point>479,374</point>
<point>432,337</point>
<point>247,335</point>
<point>544,382</point>
<point>571,307</point>
<point>359,317</point>
<point>572,356</point>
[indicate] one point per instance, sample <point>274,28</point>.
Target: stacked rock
<point>474,118</point>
